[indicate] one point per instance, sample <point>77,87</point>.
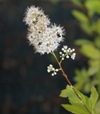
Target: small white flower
<point>55,73</point>
<point>67,56</point>
<point>57,70</point>
<point>73,56</point>
<point>52,74</point>
<point>69,49</point>
<point>63,55</point>
<point>48,70</point>
<point>62,49</point>
<point>65,47</point>
<point>60,52</point>
<point>62,58</point>
<point>73,50</point>
<point>51,65</point>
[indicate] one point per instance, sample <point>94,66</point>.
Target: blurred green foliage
<point>89,20</point>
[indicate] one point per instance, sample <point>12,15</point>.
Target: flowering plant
<point>46,37</point>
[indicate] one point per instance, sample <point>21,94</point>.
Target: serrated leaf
<point>76,109</point>
<point>82,41</point>
<point>90,51</point>
<point>80,16</point>
<point>76,105</point>
<point>73,99</point>
<point>93,98</point>
<point>69,92</point>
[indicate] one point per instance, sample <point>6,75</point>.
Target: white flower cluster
<point>66,52</point>
<point>44,36</point>
<point>50,68</point>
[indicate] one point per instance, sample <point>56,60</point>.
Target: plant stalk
<point>66,77</point>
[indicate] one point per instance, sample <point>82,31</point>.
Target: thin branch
<point>66,77</point>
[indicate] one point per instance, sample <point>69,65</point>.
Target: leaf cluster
<point>88,18</point>
<point>76,106</point>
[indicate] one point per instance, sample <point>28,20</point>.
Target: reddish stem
<point>66,77</point>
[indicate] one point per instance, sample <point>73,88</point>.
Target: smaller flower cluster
<point>67,52</point>
<point>50,68</point>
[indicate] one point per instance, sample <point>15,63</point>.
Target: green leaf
<point>90,51</point>
<point>93,98</point>
<point>93,5</point>
<point>80,16</point>
<point>97,42</point>
<point>96,26</point>
<point>76,109</point>
<point>94,67</point>
<point>86,27</point>
<point>80,78</point>
<point>76,105</point>
<point>73,99</point>
<point>68,92</point>
<point>82,42</point>
<point>98,106</point>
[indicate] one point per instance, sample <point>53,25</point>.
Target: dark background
<point>25,85</point>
